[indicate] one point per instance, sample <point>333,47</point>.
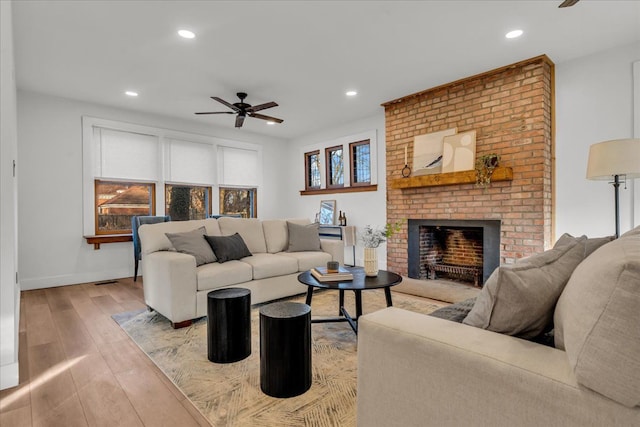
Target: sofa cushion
<point>307,260</point>
<point>216,275</point>
<point>271,265</point>
<point>276,233</point>
<point>249,228</point>
<point>597,320</point>
<point>228,248</point>
<point>193,243</point>
<point>303,237</point>
<point>153,238</point>
<point>519,299</point>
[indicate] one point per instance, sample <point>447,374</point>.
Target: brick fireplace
<point>511,110</point>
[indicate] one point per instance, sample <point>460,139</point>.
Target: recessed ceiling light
<point>271,123</point>
<point>186,34</point>
<point>131,93</point>
<point>351,93</point>
<point>513,34</point>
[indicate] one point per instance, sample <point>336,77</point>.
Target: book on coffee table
<point>322,275</point>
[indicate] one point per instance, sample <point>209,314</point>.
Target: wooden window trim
<point>327,157</point>
<point>307,169</point>
<point>352,158</point>
<point>95,205</point>
<point>357,189</point>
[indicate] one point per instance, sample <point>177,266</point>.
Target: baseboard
<point>9,375</point>
<point>72,279</point>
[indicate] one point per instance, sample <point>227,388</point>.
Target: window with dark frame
<point>360,161</point>
<point>186,202</point>
<point>335,166</point>
<point>117,201</point>
<point>239,201</point>
<point>312,170</point>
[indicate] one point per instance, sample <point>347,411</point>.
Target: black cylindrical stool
<point>229,324</point>
<point>285,349</point>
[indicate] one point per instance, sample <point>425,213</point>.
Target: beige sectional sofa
<point>176,287</point>
<point>419,370</point>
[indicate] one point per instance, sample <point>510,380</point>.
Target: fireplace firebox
<point>465,249</point>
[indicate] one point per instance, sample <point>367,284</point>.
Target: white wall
<point>594,103</point>
<point>9,289</point>
<point>52,249</point>
<point>361,208</point>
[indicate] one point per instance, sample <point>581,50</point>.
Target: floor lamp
<point>617,159</point>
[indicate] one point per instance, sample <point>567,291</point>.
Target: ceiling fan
<point>242,109</point>
<point>568,3</point>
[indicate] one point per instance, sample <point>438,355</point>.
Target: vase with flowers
<point>372,238</point>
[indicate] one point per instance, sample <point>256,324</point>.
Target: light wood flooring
<point>78,368</point>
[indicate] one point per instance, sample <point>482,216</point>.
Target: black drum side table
<point>229,324</point>
<point>285,349</point>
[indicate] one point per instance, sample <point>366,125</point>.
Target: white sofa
<point>176,288</point>
<point>419,370</point>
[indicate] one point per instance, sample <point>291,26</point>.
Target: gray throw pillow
<point>303,237</point>
<point>519,299</point>
<point>228,248</point>
<point>193,243</point>
<point>598,322</point>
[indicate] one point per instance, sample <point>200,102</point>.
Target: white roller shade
<point>191,162</point>
<point>125,155</point>
<point>238,166</point>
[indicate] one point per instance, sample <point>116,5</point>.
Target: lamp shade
<point>616,157</point>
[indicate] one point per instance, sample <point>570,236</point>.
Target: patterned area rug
<point>230,395</point>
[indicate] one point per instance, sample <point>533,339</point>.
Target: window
<point>335,166</point>
<point>360,160</point>
<point>343,165</point>
<point>116,202</point>
<point>172,173</point>
<point>238,201</point>
<point>185,202</point>
<point>312,170</point>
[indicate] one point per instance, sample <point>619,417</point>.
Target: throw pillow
<point>193,243</point>
<point>228,248</point>
<point>519,299</point>
<point>598,323</point>
<point>303,237</point>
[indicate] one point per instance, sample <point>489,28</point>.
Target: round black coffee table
<point>360,282</point>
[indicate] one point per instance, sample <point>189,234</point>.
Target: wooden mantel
<point>451,178</point>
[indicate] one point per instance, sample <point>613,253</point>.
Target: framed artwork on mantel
<point>428,152</point>
<point>459,152</point>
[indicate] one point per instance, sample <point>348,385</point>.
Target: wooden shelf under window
<point>107,238</point>
<point>451,178</point>
<point>353,189</point>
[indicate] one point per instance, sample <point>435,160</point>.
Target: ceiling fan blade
<point>568,3</point>
<point>239,120</point>
<point>263,117</point>
<point>262,106</point>
<point>222,101</point>
<point>217,112</point>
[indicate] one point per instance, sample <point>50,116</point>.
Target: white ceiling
<point>303,55</point>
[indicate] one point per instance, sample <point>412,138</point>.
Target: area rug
<point>230,395</point>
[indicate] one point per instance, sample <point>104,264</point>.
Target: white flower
<point>371,238</point>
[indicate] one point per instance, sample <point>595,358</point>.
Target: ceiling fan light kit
<point>242,110</point>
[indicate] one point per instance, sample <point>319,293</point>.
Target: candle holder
<point>406,171</point>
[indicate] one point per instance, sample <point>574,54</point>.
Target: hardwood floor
<point>78,368</point>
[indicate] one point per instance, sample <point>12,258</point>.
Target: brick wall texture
<point>511,110</point>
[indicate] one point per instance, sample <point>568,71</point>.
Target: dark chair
<point>137,221</point>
